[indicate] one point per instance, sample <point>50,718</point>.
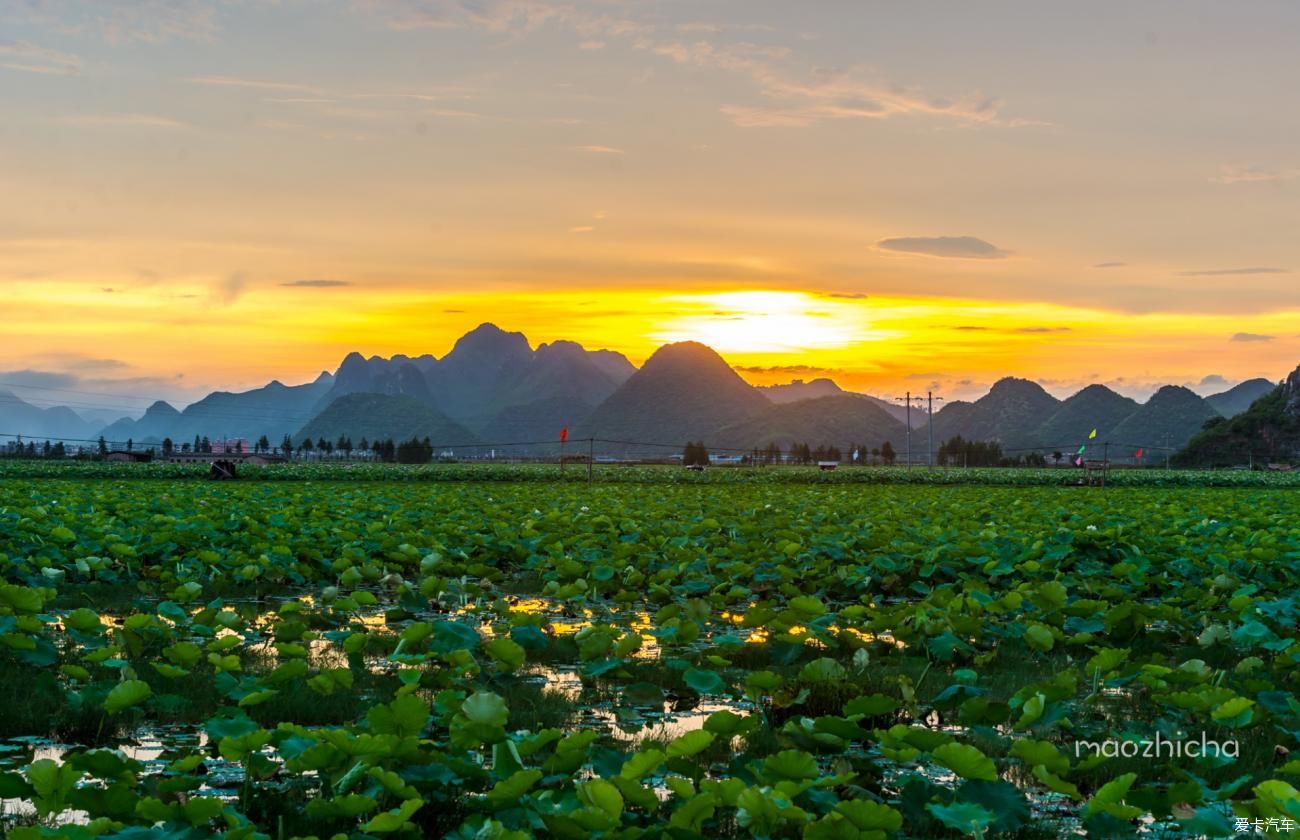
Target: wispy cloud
<point>493,15</point>
<point>1250,337</point>
<point>581,229</point>
<point>257,84</point>
<point>30,58</point>
<point>1253,174</point>
<point>126,121</point>
<point>800,99</point>
<point>949,247</point>
<point>1228,272</point>
<point>1042,329</point>
<point>122,21</point>
<point>1111,265</point>
<point>316,284</point>
<point>601,150</point>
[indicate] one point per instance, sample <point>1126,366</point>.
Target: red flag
<point>1138,454</point>
<point>564,434</point>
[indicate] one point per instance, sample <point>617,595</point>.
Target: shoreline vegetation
<point>576,473</point>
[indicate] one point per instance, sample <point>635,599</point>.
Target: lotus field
<point>644,658</point>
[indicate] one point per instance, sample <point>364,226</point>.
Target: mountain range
<point>1267,431</point>
<point>493,387</point>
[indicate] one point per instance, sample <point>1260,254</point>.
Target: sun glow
<point>768,322</point>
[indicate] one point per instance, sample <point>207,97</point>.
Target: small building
<point>177,457</point>
<point>827,466</point>
<point>129,455</point>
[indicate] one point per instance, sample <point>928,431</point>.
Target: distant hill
<point>1170,418</point>
<point>684,391</point>
<point>1269,430</point>
<point>400,375</point>
<point>823,387</point>
<point>1010,413</point>
<point>1238,398</point>
<point>489,379</point>
<point>1095,407</point>
<point>468,382</point>
<point>273,410</point>
<point>539,421</point>
<point>495,386</point>
<point>17,416</point>
<point>383,416</point>
<point>158,422</point>
<point>836,420</point>
<point>801,390</point>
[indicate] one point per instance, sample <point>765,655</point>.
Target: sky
<point>921,196</point>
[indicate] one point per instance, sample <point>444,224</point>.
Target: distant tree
<point>305,446</point>
<point>1057,457</point>
<point>365,445</point>
<point>887,453</point>
<point>198,444</point>
<point>286,446</point>
<point>185,447</point>
<point>973,453</point>
<point>103,446</point>
<point>206,444</point>
<point>167,447</point>
<point>263,444</point>
<point>59,451</point>
<point>695,454</point>
<point>415,451</point>
<point>130,444</point>
<point>773,453</point>
<point>45,449</point>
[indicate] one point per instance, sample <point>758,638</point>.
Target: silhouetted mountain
<point>1239,397</point>
<point>376,375</point>
<point>1010,413</point>
<point>158,422</point>
<point>1095,407</point>
<point>1170,418</point>
<point>834,420</point>
<point>491,373</point>
<point>823,387</point>
<point>470,381</point>
<point>801,390</point>
<point>564,369</point>
<point>273,410</point>
<point>19,417</point>
<point>1269,430</point>
<point>382,416</point>
<point>538,422</point>
<point>684,391</point>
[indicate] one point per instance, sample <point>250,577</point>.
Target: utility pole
<point>907,400</point>
<point>929,395</point>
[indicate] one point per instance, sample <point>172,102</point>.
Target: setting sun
<point>766,322</point>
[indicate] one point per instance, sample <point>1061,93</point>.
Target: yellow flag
<point>1092,434</point>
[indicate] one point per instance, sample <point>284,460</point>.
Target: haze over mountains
<point>493,387</point>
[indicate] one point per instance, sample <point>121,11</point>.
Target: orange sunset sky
<point>201,195</point>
